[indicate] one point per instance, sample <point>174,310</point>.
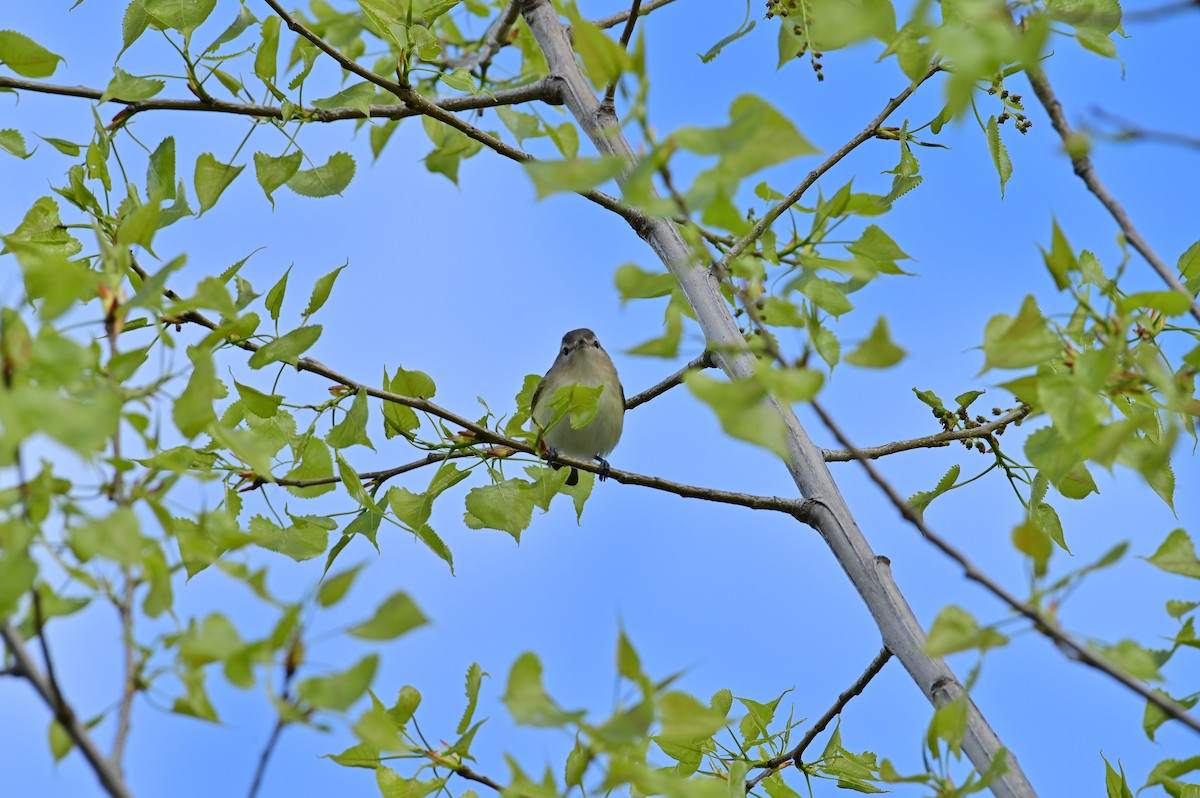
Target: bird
<point>581,361</point>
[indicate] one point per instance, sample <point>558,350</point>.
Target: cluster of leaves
<point>657,741</point>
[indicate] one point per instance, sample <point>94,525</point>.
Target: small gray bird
<point>582,361</point>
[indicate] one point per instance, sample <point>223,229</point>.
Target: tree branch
<point>860,684</point>
<point>610,93</point>
<point>1087,173</point>
<point>545,90</point>
<point>722,266</point>
<point>493,40</point>
<point>827,510</point>
<point>929,441</point>
<point>108,774</point>
<point>1129,131</point>
<point>1044,625</point>
<point>704,361</point>
<point>622,16</point>
<point>425,107</point>
<point>796,508</point>
<point>129,683</point>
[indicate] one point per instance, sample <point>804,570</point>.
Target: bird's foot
<point>605,469</point>
<point>552,457</point>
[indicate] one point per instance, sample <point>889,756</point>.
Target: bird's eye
<point>596,344</point>
<point>566,351</point>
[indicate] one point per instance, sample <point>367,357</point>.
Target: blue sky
<point>475,283</point>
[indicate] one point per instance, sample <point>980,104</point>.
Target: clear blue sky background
<point>475,284</point>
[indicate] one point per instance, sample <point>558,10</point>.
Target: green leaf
<point>955,630</point>
<point>358,96</point>
<point>1012,343</point>
<point>397,615</point>
<point>1171,303</point>
<point>334,588</point>
<point>354,486</point>
<point>922,499</point>
<point>339,691</point>
<point>1114,783</point>
<point>273,172</point>
<point>124,86</point>
<point>475,676</point>
<point>181,15</point>
<point>459,78</point>
<point>12,142</point>
<point>352,429</point>
<point>133,24</point>
<point>878,350</point>
<point>999,153</point>
<point>634,282</point>
<point>742,409</point>
<point>1189,268</point>
<point>603,58</point>
<point>1060,260</point>
<point>827,295</point>
<point>506,506</point>
<point>526,698</point>
<point>26,57</point>
<point>757,136</point>
<point>578,174</point>
<point>301,541</point>
<point>260,404</point>
<point>212,178</point>
<point>274,300</point>
<point>322,181</point>
<point>1154,717</point>
<point>267,57</point>
<point>684,719</point>
<point>243,20</point>
<point>287,348</point>
<point>1138,662</point>
<point>321,290</point>
<point>160,172</point>
<point>1177,555</point>
<point>193,410</point>
<point>62,145</point>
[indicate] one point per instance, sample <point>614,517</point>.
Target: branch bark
<point>106,771</point>
<point>545,90</point>
<point>831,516</point>
<point>1072,649</point>
<point>853,690</point>
<point>1087,173</point>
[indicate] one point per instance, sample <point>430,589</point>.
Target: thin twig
<point>1129,131</point>
<point>265,757</point>
<point>622,16</point>
<point>466,773</point>
<point>929,441</point>
<point>421,105</point>
<point>495,38</point>
<point>108,774</point>
<point>1087,173</point>
<point>545,90</point>
<point>794,196</point>
<point>704,361</point>
<point>1041,623</point>
<point>129,685</point>
<point>1160,12</point>
<point>860,684</point>
<point>611,92</point>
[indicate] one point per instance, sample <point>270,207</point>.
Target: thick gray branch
<point>831,516</point>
